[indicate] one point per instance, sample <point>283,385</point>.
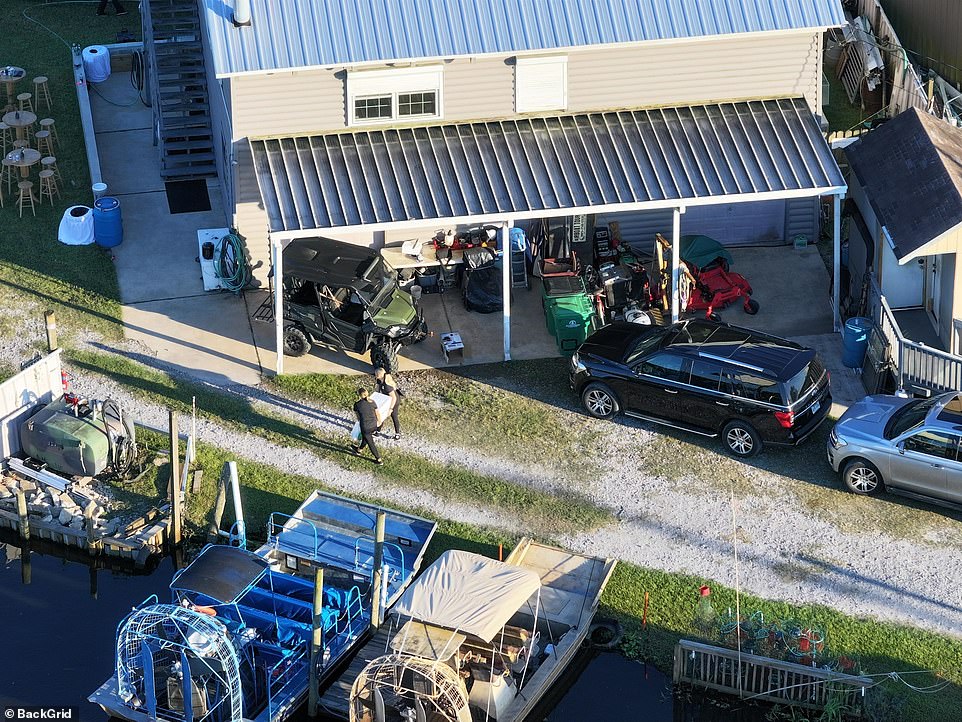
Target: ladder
<point>519,270</point>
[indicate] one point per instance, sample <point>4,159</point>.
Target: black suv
<point>706,377</point>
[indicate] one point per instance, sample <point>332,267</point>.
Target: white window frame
<point>393,82</point>
<point>533,64</point>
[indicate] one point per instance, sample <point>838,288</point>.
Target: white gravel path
<point>786,551</point>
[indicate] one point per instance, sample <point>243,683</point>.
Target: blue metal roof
<point>544,166</point>
<point>289,34</point>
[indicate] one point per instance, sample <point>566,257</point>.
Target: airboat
<point>474,638</point>
<point>234,643</point>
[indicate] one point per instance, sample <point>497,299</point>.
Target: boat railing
<point>274,529</point>
<point>347,625</point>
<point>283,671</point>
<point>390,545</point>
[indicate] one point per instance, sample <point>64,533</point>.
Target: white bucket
<point>415,293</point>
<point>99,190</point>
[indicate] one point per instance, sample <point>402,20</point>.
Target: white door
<point>902,285</point>
<point>933,267</point>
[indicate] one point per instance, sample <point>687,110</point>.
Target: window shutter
<point>541,83</point>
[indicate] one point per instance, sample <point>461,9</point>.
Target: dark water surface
<point>59,631</point>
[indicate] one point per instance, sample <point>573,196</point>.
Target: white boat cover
<point>468,592</point>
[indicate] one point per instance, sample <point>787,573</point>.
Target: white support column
<point>675,262</point>
<point>277,250</point>
<point>836,261</point>
<point>506,286</point>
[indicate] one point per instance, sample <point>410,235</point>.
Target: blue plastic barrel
<point>108,224</point>
<point>855,341</point>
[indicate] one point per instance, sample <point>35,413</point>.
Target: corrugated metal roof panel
<point>288,34</point>
<point>533,165</point>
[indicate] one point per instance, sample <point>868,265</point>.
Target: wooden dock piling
<point>22,515</point>
<point>50,322</point>
<point>376,600</point>
<point>175,526</point>
<point>316,641</point>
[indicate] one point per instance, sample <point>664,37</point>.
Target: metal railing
<point>916,365</point>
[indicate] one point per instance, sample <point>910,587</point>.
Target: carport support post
<point>278,252</point>
<point>836,260</point>
<point>506,286</point>
<point>675,261</point>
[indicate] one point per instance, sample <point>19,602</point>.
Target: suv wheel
<point>600,401</point>
<point>296,342</point>
<point>861,477</point>
<point>741,439</point>
<point>384,356</point>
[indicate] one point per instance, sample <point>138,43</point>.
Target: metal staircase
<point>178,88</point>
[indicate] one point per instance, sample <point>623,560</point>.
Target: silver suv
<point>907,446</point>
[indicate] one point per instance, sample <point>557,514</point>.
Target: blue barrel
<point>108,225</point>
<point>855,341</point>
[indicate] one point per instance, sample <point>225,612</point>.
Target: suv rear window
<point>749,385</point>
<point>800,384</point>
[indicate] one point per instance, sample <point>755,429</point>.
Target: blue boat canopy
<point>223,573</point>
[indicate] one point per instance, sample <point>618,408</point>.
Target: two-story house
<point>374,120</point>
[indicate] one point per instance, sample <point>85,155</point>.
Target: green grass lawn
<point>36,271</point>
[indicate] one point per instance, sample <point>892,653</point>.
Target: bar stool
<point>44,142</point>
<point>18,144</point>
<point>48,186</point>
<point>26,197</point>
<point>49,124</point>
<point>7,173</point>
<point>50,163</point>
<point>6,137</point>
<point>26,102</point>
<point>42,92</point>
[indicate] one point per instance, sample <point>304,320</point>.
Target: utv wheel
<point>862,478</point>
<point>384,356</point>
<point>296,342</point>
<point>600,401</point>
<point>751,307</point>
<point>741,439</point>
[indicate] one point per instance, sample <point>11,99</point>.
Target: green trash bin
<point>569,320</point>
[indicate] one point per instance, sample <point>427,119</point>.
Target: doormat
<point>187,196</point>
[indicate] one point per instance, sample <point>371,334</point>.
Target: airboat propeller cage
<point>470,593</point>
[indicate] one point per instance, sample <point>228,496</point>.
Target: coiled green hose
<point>233,270</point>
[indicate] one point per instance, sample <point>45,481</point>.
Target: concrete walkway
<point>205,334</point>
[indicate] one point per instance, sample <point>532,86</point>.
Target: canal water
<point>60,617</point>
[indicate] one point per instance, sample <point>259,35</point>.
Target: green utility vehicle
<point>346,296</point>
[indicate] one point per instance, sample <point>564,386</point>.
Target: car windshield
<point>376,284</point>
<point>648,342</point>
<point>908,417</point>
<point>800,384</point>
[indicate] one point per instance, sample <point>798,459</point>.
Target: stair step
<point>170,145</point>
<point>169,133</point>
<point>168,93</point>
<point>171,104</point>
<point>189,173</point>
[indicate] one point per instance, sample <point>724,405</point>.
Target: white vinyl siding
<point>541,83</point>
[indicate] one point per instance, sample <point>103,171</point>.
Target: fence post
<point>50,321</point>
<point>175,520</point>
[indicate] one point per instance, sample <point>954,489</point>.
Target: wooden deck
<point>771,680</point>
<point>336,697</point>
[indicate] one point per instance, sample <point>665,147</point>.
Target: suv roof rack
<point>727,359</point>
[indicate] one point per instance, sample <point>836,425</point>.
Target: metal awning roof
<point>530,167</point>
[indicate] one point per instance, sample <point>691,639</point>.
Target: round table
<point>20,119</point>
<point>11,81</point>
<point>29,157</point>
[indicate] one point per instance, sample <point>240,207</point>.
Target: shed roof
<point>287,34</point>
<point>911,170</point>
<point>531,167</point>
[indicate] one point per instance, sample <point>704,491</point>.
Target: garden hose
<point>233,270</point>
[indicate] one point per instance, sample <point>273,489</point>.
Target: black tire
<point>600,401</point>
<point>751,307</point>
<point>296,342</point>
<point>741,439</point>
<point>384,356</point>
<point>862,478</point>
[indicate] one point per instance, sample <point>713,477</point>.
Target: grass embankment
<point>880,647</point>
<point>546,513</point>
<point>36,271</point>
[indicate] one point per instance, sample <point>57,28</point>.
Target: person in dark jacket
<point>366,412</point>
<point>385,384</point>
<point>118,7</point>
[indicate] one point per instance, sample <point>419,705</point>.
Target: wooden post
<point>213,531</point>
<point>175,521</point>
<point>93,581</point>
<point>376,600</point>
<point>25,569</point>
<point>316,641</point>
<point>50,321</point>
<point>93,541</point>
<point>22,513</point>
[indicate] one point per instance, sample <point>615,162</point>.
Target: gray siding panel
<point>707,71</point>
<point>483,88</point>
